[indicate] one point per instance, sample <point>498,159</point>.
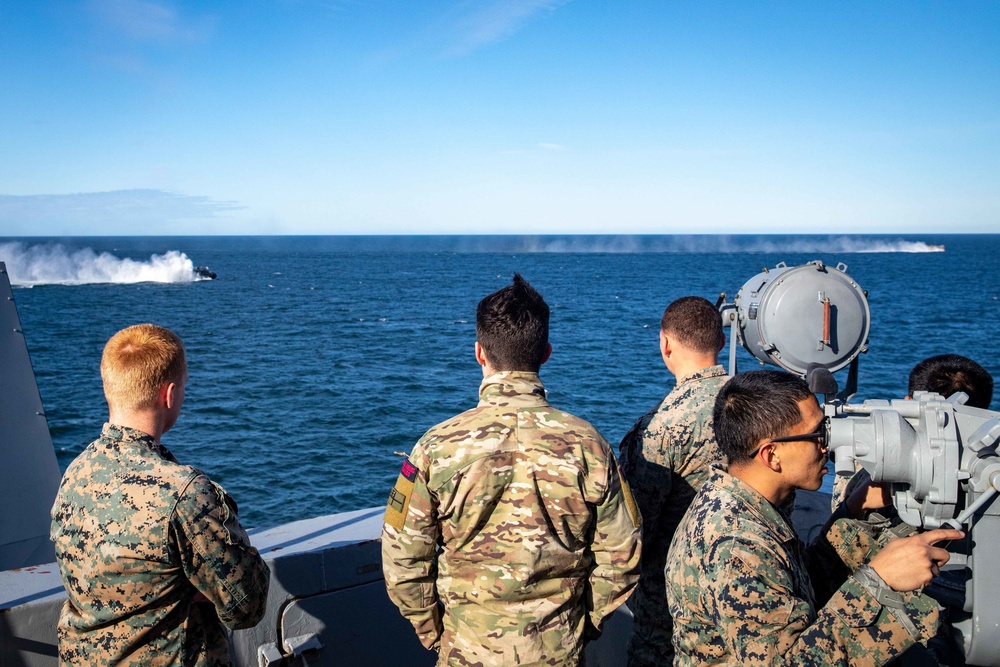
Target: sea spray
<point>689,244</point>
<point>55,264</point>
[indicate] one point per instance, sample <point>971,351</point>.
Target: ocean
<point>313,360</point>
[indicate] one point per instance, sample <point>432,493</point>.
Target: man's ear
<point>548,352</point>
<point>480,354</point>
<point>168,394</point>
<point>769,456</point>
<point>665,348</point>
<point>722,345</point>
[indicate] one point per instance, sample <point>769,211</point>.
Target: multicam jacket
<point>666,458</point>
<point>509,535</point>
<point>744,591</point>
<point>152,556</point>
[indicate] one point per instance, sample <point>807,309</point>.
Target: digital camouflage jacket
<point>666,458</point>
<point>510,535</point>
<point>152,556</point>
<point>743,590</point>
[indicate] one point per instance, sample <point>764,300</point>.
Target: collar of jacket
<point>705,373</point>
<point>763,511</point>
<point>512,388</point>
<point>113,435</point>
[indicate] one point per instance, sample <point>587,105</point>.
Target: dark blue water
<point>313,359</point>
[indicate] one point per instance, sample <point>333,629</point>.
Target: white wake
<point>55,264</point>
<point>694,244</point>
<point>845,245</point>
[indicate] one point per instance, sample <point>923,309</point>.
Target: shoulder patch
<point>409,471</point>
<point>633,509</point>
<point>399,497</point>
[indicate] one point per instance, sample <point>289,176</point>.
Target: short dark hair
<point>695,322</point>
<point>946,374</point>
<point>755,406</point>
<point>512,325</point>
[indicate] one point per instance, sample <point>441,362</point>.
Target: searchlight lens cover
<point>809,314</point>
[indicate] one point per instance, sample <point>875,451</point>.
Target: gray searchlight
<point>803,319</point>
<point>939,456</point>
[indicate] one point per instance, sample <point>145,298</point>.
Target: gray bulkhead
<point>327,605</point>
<point>29,472</point>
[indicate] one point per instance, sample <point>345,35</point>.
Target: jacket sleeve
<point>216,554</point>
<point>650,481</point>
<point>616,549</point>
<point>763,621</point>
<point>410,536</point>
<point>845,544</point>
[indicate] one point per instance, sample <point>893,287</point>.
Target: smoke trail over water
<point>54,264</point>
<point>701,244</point>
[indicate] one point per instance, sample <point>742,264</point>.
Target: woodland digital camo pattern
<point>138,536</point>
<point>844,485</point>
<point>743,589</point>
<point>948,588</point>
<point>539,537</point>
<point>666,458</point>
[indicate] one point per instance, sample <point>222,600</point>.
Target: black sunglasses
<point>818,436</point>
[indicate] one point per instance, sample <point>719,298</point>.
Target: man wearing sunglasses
<point>741,587</point>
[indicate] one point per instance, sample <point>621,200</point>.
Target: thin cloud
<point>551,147</point>
<point>123,62</point>
<point>118,211</point>
<point>149,22</point>
<point>329,5</point>
<point>496,21</point>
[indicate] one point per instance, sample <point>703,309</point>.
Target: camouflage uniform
<point>509,535</point>
<point>845,485</point>
<point>138,537</point>
<point>743,590</point>
<point>948,589</point>
<point>666,458</point>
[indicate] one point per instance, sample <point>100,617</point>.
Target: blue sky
<point>524,116</point>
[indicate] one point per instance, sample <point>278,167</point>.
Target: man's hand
<point>910,563</point>
<point>868,496</point>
